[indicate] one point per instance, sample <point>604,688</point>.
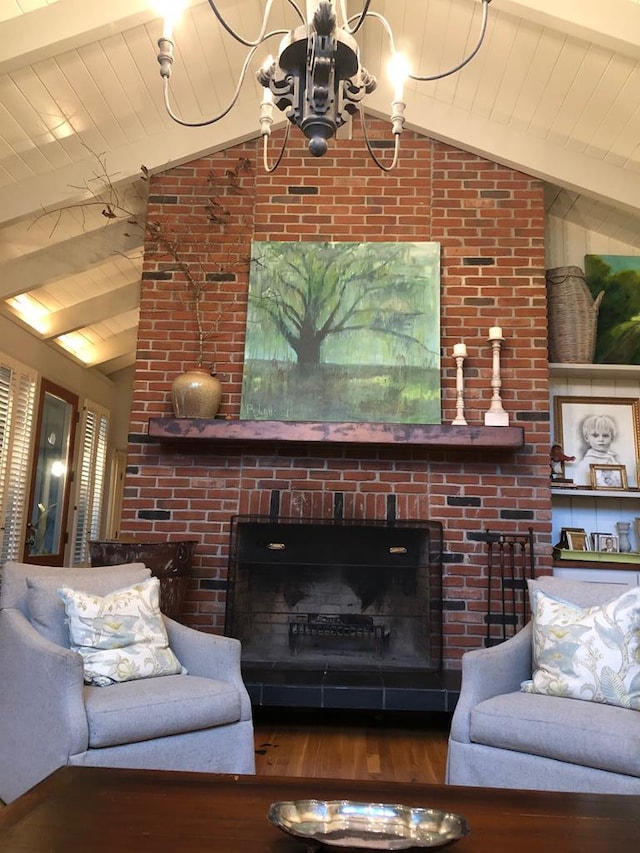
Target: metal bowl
<point>370,826</point>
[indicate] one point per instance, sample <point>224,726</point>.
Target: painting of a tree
<point>343,332</point>
<point>618,336</point>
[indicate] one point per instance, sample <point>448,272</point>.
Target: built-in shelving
<point>426,435</point>
<point>594,509</point>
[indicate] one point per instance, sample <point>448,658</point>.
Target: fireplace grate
<point>337,625</point>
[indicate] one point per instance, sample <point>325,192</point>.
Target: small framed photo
<point>577,540</point>
<point>608,477</point>
<point>606,542</point>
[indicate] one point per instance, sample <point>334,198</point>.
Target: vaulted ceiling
<point>555,92</point>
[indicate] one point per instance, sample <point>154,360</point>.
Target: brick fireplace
<point>489,221</point>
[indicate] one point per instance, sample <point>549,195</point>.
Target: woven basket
<point>573,316</point>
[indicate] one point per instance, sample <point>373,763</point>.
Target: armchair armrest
<point>491,672</point>
<point>42,713</point>
<point>209,656</point>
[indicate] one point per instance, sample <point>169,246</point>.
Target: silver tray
<point>370,826</point>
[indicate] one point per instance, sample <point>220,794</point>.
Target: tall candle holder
<point>459,353</point>
<point>496,415</point>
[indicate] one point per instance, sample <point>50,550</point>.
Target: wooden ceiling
<point>553,92</point>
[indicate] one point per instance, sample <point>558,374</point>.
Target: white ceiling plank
<point>68,25</point>
<point>173,146</point>
<point>556,96</point>
<point>88,92</point>
<point>26,129</point>
<point>614,116</point>
<point>143,73</point>
<point>66,258</point>
<point>94,310</point>
<point>578,96</point>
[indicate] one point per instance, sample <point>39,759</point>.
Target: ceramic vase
<point>196,394</point>
<point>624,543</point>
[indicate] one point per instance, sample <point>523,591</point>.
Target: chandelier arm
<point>483,30</point>
<point>275,165</point>
<point>213,119</point>
<point>263,36</point>
<point>372,154</point>
<point>361,17</point>
<point>430,77</point>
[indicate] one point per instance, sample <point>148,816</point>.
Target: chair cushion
<point>120,636</point>
<point>590,653</point>
<point>158,707</point>
<point>45,607</point>
<point>583,733</point>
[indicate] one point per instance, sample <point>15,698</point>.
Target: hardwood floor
<point>351,745</point>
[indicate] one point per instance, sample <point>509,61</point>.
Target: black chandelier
<point>317,78</point>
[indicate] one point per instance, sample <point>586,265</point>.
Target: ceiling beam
<point>614,24</point>
<point>114,347</point>
<point>67,257</point>
<point>94,310</point>
<point>119,363</point>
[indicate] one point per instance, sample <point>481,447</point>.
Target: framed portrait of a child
<point>599,431</point>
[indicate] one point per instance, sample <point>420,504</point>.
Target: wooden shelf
<point>580,492</point>
<point>594,371</point>
<point>602,565</point>
<point>425,435</point>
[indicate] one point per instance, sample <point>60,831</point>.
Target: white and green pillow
<point>121,636</point>
<point>590,653</point>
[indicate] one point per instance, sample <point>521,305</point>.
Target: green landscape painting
<point>618,336</point>
<point>343,332</point>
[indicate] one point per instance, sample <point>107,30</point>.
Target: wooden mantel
<point>427,435</point>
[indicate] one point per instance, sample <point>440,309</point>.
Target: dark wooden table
<point>81,809</point>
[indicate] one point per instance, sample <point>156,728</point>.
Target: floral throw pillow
<point>120,636</point>
<point>588,653</point>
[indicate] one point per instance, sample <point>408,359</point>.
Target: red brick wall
<point>489,222</point>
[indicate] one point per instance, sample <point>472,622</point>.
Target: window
<point>94,434</point>
<point>17,397</point>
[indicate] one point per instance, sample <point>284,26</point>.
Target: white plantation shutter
<point>17,400</point>
<point>89,495</point>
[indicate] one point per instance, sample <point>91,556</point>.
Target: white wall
<point>566,244</point>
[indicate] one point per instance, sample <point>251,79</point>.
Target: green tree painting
<point>618,335</point>
<point>343,332</point>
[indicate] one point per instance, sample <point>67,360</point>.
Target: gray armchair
<point>48,717</point>
<point>503,738</point>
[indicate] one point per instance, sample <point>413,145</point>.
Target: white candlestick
<point>459,352</point>
<point>495,333</point>
<point>496,416</point>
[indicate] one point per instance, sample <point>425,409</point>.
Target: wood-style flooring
<point>351,745</point>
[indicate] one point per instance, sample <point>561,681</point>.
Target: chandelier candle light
<point>459,353</point>
<point>317,78</point>
<point>496,415</point>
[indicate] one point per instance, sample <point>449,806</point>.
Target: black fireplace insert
<point>336,613</point>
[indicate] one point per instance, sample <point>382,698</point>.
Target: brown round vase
<point>196,394</point>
